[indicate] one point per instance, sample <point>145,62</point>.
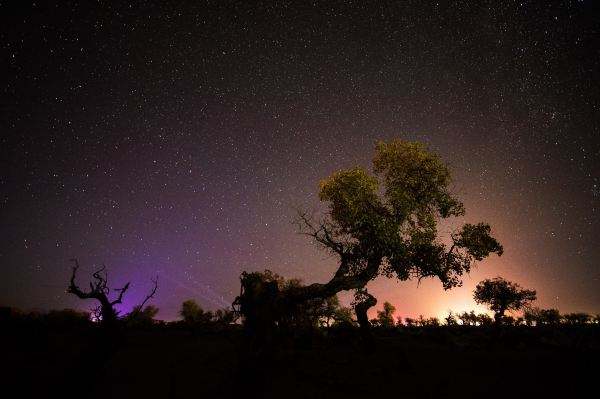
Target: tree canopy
<point>386,221</point>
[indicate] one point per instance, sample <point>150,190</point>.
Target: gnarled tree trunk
<point>361,308</point>
<point>263,304</point>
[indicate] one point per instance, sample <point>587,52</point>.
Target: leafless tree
<point>99,290</point>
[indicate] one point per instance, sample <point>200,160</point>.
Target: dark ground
<point>408,363</point>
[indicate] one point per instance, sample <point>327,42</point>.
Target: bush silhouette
<point>139,317</point>
<point>193,314</point>
<point>68,318</point>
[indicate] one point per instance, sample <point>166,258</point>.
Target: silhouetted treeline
<point>531,317</point>
<point>328,315</point>
<point>193,316</point>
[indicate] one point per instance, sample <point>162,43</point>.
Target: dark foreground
<point>407,363</point>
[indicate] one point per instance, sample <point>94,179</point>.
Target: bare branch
<point>151,294</point>
<point>101,282</point>
<point>73,288</point>
<point>321,233</point>
<point>74,272</point>
<point>121,292</point>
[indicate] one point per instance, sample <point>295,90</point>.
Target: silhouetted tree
<point>502,295</point>
<point>385,317</point>
<point>380,223</point>
<point>99,291</point>
<point>450,320</point>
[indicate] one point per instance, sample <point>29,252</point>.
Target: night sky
<point>176,140</point>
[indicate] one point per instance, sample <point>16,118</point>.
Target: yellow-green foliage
<point>393,213</point>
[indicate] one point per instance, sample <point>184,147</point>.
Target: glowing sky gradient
<point>177,141</point>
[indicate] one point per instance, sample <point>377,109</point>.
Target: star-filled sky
<point>177,139</point>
